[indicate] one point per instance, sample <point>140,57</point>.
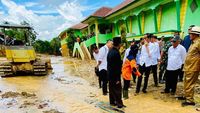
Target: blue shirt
<point>186,42</point>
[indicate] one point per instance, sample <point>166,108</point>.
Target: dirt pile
<point>10,94</point>
<point>52,111</point>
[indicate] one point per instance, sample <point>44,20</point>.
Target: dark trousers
<point>126,84</point>
<point>104,78</point>
<point>115,93</point>
<point>134,77</point>
<point>146,71</point>
<point>155,76</point>
<point>146,78</point>
<point>100,81</point>
<point>99,76</point>
<point>180,75</point>
<point>171,81</point>
<point>162,71</point>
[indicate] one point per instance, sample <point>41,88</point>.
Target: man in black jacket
<point>114,65</point>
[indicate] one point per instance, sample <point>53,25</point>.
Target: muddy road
<point>57,92</point>
<point>72,87</point>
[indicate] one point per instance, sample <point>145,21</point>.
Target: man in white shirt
<point>96,55</point>
<point>102,64</point>
<point>155,57</point>
<point>145,63</point>
<point>176,57</point>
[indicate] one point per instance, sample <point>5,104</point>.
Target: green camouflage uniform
<point>163,65</point>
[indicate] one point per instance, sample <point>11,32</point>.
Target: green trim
<point>154,33</point>
<point>139,24</point>
<point>155,20</point>
<point>127,26</point>
<point>90,41</point>
<point>104,37</point>
<point>178,8</point>
<point>117,28</point>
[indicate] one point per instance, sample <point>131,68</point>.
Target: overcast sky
<point>50,17</point>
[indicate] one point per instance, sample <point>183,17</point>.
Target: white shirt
<point>144,57</point>
<point>176,57</point>
<point>155,53</point>
<point>96,55</point>
<point>103,53</point>
<point>126,54</point>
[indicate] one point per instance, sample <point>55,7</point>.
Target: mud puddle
<point>58,92</point>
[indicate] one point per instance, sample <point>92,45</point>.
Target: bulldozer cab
<point>17,50</point>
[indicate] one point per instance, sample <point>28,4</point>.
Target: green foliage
<point>47,47</point>
<point>55,46</point>
<point>21,34</point>
<point>70,41</point>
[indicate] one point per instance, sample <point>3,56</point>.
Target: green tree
<point>70,40</point>
<point>55,46</point>
<point>47,47</point>
<point>21,34</point>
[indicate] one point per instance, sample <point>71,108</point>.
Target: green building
<point>137,17</point>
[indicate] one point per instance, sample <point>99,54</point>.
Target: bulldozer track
<point>6,70</point>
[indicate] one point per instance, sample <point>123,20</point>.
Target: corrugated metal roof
<point>79,26</point>
<point>120,6</point>
<point>101,12</point>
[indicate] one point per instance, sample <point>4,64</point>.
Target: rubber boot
<point>125,94</point>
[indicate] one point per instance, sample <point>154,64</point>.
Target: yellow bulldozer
<point>21,56</point>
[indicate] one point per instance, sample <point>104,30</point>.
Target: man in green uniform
<point>163,64</point>
<point>192,67</point>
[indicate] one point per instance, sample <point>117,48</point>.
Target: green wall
<point>149,26</point>
<point>90,41</point>
<point>77,33</point>
<point>169,17</point>
<point>135,27</point>
<point>192,18</point>
<point>115,29</point>
<point>104,37</point>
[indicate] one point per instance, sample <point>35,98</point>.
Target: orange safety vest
<point>127,69</point>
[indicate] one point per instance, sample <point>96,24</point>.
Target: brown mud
<point>72,87</point>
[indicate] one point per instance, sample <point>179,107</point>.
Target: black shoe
<point>181,98</point>
<point>164,92</point>
<point>144,91</point>
<point>113,104</point>
<point>124,106</point>
<point>104,94</point>
<point>187,104</point>
<point>121,106</point>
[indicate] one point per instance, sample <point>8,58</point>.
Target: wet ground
<point>72,88</point>
<point>55,93</point>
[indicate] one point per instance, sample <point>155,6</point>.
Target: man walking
<point>176,57</point>
<point>155,53</point>
<point>192,66</point>
<point>102,64</point>
<point>145,64</point>
<point>114,73</point>
<point>163,61</point>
